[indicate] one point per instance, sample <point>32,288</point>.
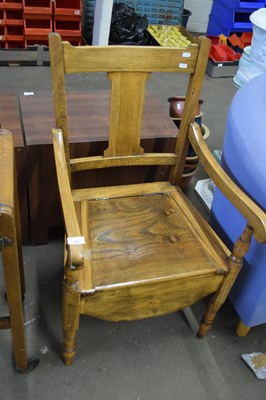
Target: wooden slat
<point>126,113</point>
<point>121,191</point>
<point>58,79</point>
<point>86,163</point>
<point>118,58</point>
<point>86,276</point>
<point>188,114</point>
<point>7,170</point>
<point>71,222</point>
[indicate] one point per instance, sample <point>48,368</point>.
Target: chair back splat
<point>139,250</point>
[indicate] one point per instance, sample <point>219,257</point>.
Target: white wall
<point>199,19</point>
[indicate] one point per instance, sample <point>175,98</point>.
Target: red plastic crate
<point>2,33</point>
<point>14,33</point>
<point>222,52</point>
<point>2,4</point>
<point>75,41</point>
<point>13,17</point>
<point>67,10</point>
<point>40,8</point>
<point>13,4</point>
<point>246,38</point>
<point>16,44</point>
<point>38,40</point>
<point>68,28</point>
<point>37,27</point>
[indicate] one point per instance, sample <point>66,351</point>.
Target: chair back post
<point>58,80</point>
<point>192,98</point>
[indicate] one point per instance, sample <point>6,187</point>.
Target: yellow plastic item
<point>222,39</point>
<point>168,36</point>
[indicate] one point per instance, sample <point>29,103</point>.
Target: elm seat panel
<point>140,237</point>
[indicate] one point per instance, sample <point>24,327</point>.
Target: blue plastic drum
<point>244,159</point>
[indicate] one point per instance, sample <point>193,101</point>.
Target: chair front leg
<point>235,263</point>
<point>71,302</point>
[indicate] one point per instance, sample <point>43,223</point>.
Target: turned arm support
<point>255,216</point>
<point>75,251</point>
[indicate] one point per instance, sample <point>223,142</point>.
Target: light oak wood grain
<point>253,213</point>
<point>147,250</point>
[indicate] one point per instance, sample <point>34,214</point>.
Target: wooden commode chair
<point>140,250</point>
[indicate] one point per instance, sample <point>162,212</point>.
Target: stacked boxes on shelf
<point>158,12</point>
<point>37,21</point>
<point>67,20</point>
<point>25,23</point>
<point>2,25</point>
<point>229,16</point>
<point>11,24</point>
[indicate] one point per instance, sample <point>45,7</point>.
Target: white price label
<point>186,54</point>
<point>76,240</point>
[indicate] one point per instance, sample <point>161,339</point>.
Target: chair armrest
<point>74,238</point>
<point>7,198</point>
<point>255,216</point>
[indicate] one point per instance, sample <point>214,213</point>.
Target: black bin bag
<point>127,27</point>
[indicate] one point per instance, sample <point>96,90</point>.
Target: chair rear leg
<point>235,263</point>
<point>13,291</point>
<point>71,302</point>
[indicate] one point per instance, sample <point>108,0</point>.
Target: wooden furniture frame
<point>85,109</point>
<point>10,118</point>
<point>140,250</point>
<point>10,246</point>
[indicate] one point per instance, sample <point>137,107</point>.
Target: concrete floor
<point>154,359</point>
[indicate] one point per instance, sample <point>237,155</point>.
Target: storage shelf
<point>64,10</point>
<point>39,7</point>
<point>68,28</point>
<point>229,16</point>
<point>216,27</point>
<point>35,27</point>
<point>158,12</point>
<point>238,18</point>
<point>254,4</point>
<point>13,4</point>
<point>13,17</point>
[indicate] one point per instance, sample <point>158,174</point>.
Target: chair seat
<point>140,238</point>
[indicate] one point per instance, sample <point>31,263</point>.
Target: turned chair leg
<point>242,329</point>
<point>71,301</point>
<point>235,263</point>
